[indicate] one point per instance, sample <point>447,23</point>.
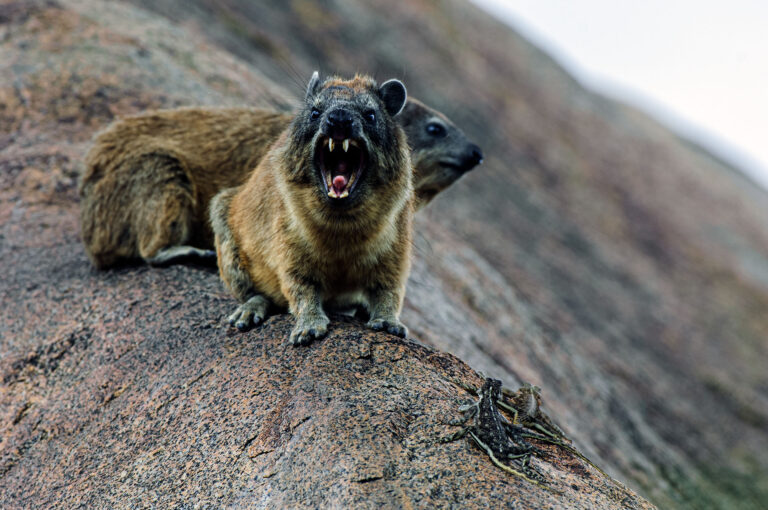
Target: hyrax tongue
<point>340,178</point>
<point>339,183</point>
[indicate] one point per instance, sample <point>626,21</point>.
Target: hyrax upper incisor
<point>325,219</point>
<point>149,178</point>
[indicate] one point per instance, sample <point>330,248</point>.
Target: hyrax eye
<point>370,116</point>
<point>436,130</point>
<point>315,114</point>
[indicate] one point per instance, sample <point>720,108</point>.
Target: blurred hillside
<point>622,269</point>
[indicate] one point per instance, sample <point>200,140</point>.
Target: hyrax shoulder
<point>441,151</point>
<point>325,219</point>
<point>148,179</point>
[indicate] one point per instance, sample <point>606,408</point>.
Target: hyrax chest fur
<point>325,218</point>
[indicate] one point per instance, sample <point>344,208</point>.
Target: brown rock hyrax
<point>440,153</point>
<point>149,178</point>
<point>325,218</point>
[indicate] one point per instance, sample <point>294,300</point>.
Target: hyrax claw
<point>305,335</point>
<point>250,313</point>
<point>398,330</point>
<point>391,326</point>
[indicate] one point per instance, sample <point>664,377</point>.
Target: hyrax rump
<point>325,219</point>
<point>149,178</point>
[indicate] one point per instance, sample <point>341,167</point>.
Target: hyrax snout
<point>324,221</point>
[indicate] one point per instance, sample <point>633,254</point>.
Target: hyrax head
<point>441,151</point>
<point>350,145</point>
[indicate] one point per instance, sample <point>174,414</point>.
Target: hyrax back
<point>325,219</point>
<point>149,178</point>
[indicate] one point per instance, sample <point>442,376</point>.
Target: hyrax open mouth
<point>341,163</point>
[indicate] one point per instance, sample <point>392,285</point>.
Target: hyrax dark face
<point>351,144</point>
<point>441,151</point>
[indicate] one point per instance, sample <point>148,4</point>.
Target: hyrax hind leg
<point>254,306</point>
<point>165,217</point>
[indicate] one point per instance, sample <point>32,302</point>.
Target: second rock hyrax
<point>149,178</point>
<point>325,218</point>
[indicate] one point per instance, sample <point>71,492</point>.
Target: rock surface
<point>595,254</point>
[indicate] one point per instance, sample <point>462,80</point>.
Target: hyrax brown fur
<point>325,219</point>
<point>149,178</point>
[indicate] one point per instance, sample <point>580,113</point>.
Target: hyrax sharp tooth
<point>346,144</point>
<point>330,144</point>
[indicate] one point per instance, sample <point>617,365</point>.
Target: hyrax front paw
<point>250,313</point>
<point>307,330</point>
<point>244,318</point>
<point>392,326</point>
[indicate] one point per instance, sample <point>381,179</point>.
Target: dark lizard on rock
<point>504,442</point>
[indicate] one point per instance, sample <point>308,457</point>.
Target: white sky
<point>699,66</point>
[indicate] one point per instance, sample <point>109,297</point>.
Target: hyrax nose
<point>472,157</point>
<point>340,123</point>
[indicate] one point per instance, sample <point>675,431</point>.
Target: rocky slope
<point>595,254</point>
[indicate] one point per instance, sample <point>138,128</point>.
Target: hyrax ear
<point>393,94</point>
<point>314,82</point>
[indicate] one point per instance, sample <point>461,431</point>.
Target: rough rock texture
<point>595,254</point>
